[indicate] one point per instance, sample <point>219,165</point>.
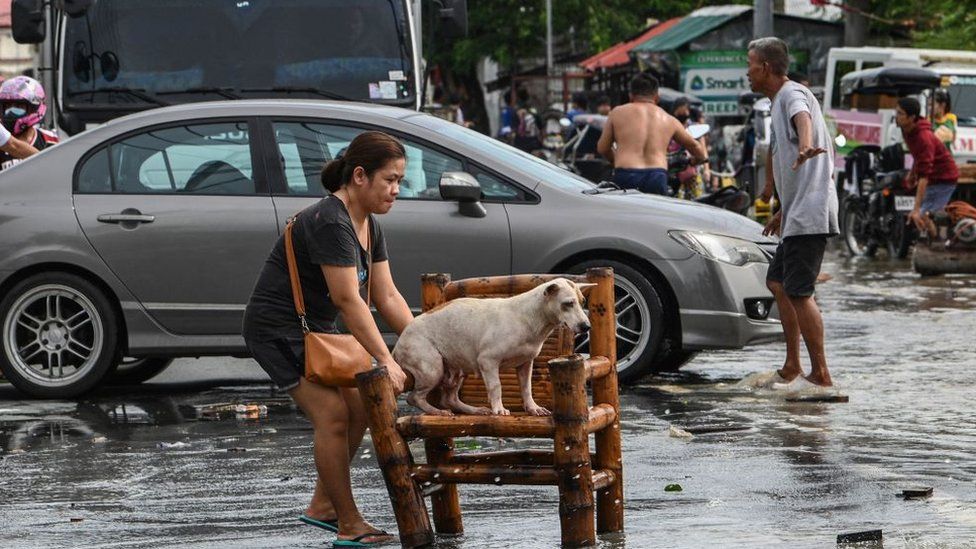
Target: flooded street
<point>148,467</point>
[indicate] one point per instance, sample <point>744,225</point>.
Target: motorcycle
<point>729,197</point>
<point>874,213</point>
<point>579,152</point>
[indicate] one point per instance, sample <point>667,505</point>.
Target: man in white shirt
<point>801,159</point>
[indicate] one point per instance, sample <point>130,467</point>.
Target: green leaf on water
<point>675,487</point>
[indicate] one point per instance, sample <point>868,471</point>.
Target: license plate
<point>904,203</point>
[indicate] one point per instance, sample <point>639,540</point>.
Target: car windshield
<point>178,50</point>
<point>537,168</point>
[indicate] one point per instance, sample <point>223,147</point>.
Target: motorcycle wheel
<point>856,232</point>
<point>901,238</point>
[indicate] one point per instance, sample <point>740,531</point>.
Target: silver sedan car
<point>140,241</point>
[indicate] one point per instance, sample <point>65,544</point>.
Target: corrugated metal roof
<point>698,23</point>
<point>619,54</point>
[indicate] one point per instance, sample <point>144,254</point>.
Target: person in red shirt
<point>934,170</point>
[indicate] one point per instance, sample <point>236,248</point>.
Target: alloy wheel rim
<point>53,335</point>
<point>633,323</point>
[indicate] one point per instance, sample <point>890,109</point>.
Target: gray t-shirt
<point>808,195</point>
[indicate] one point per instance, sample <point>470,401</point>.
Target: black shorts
<point>796,263</point>
<point>283,358</point>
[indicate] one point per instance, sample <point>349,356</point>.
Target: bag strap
<point>296,285</point>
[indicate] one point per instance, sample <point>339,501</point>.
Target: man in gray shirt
<point>803,176</point>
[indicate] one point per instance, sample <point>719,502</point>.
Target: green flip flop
<point>358,541</point>
<point>328,525</point>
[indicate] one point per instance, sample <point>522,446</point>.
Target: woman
<point>331,239</point>
<point>944,121</point>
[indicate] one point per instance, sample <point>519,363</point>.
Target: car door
<point>183,215</point>
<point>424,233</point>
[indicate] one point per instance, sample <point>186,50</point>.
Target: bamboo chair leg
<point>444,503</point>
<point>571,452</point>
<point>394,459</point>
<point>610,500</point>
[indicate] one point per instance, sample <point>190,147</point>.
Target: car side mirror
<point>465,189</point>
<point>27,24</point>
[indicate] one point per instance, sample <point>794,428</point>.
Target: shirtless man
<point>642,131</point>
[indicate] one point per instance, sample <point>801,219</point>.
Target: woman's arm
<point>387,298</point>
<point>343,283</point>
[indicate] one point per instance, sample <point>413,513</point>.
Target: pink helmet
<point>24,88</point>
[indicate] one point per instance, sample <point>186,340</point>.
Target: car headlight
<point>726,249</point>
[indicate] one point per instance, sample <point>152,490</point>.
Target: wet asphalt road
<point>136,467</point>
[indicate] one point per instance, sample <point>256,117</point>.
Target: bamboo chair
<point>558,381</point>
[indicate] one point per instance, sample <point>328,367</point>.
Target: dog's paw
<point>501,412</point>
<point>538,411</point>
<point>439,412</point>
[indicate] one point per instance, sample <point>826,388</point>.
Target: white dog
<point>470,335</point>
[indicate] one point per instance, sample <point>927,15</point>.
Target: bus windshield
<point>168,51</point>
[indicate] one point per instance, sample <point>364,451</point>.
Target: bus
<point>108,58</point>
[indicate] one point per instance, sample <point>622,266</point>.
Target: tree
<point>948,24</point>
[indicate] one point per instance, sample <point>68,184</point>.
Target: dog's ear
<point>585,287</point>
<point>551,290</point>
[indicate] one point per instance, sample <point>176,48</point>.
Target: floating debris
<point>917,493</point>
<point>99,440</point>
<point>171,445</point>
<point>673,487</point>
<point>818,398</point>
<point>679,433</point>
<point>859,537</point>
<point>221,410</point>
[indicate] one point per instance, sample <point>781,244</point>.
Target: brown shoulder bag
<point>330,359</point>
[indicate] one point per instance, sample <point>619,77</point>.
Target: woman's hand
<point>397,375</point>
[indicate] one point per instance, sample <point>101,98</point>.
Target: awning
<point>619,54</point>
<point>698,23</point>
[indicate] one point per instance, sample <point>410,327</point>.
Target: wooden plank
<point>474,473</point>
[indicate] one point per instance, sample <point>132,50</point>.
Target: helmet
<point>28,90</point>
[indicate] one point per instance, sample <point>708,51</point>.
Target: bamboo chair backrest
<point>438,289</point>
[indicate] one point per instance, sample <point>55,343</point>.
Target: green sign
<point>732,58</point>
<point>718,77</point>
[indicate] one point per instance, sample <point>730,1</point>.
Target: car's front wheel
<point>640,319</point>
<point>59,335</point>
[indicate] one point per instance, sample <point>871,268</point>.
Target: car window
<point>424,169</point>
<point>305,147</point>
<point>535,168</point>
<point>197,159</point>
<point>95,176</point>
<point>495,188</point>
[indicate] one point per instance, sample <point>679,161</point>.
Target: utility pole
<point>762,18</point>
<point>548,47</point>
<point>855,24</point>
